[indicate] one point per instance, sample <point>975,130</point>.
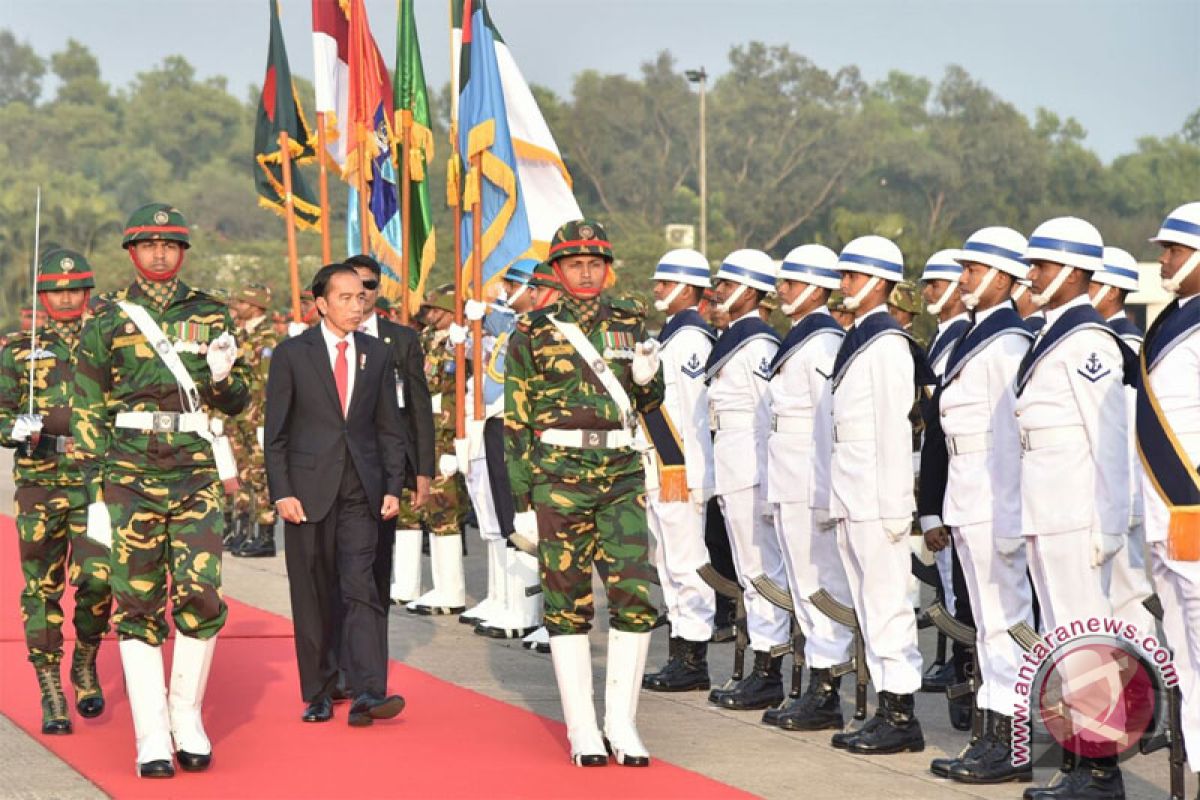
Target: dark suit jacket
<point>418,408</point>
<point>307,438</point>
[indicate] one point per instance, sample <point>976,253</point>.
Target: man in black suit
<point>416,411</point>
<point>335,453</point>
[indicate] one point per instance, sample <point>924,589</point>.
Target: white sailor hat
<point>1120,270</point>
<point>753,268</point>
<point>998,247</point>
<point>1182,226</point>
<point>1067,240</point>
<point>683,266</point>
<point>873,255</point>
<point>941,266</point>
<point>811,263</point>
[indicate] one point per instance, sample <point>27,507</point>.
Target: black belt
<point>49,446</point>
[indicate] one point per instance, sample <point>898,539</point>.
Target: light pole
<point>701,77</point>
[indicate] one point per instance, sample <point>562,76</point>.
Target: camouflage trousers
<point>600,521</point>
<point>166,528</point>
<point>52,528</point>
<point>252,496</point>
<point>443,512</point>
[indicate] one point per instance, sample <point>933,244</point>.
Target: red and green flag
<point>279,110</point>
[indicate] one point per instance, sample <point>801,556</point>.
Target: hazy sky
<point>1123,68</point>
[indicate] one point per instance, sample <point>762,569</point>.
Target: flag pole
<point>37,245</point>
<point>290,218</point>
<point>405,208</point>
<point>460,350</point>
<point>477,284</point>
<point>364,201</point>
<point>324,181</point>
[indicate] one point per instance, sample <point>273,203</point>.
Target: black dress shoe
<point>156,769</point>
<point>193,762</point>
<point>339,695</point>
<point>369,707</point>
<point>319,710</point>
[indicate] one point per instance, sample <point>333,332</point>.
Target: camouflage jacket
<point>254,350</point>
<point>548,384</point>
<point>57,343</point>
<point>439,374</point>
<point>118,371</point>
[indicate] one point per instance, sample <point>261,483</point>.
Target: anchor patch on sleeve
<point>1093,369</point>
<point>694,368</point>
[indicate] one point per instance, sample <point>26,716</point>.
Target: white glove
<point>295,329</point>
<point>474,310</point>
<point>824,521</point>
<point>457,334</point>
<point>222,353</point>
<point>525,531</point>
<point>447,464</point>
<point>99,524</point>
<point>1009,546</point>
<point>645,361</point>
<point>25,426</point>
<point>1105,546</point>
<point>897,529</point>
<point>700,497</point>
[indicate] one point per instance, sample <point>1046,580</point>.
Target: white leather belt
<point>969,443</point>
<point>435,403</point>
<point>588,440</point>
<point>791,424</point>
<point>163,421</point>
<point>1038,438</point>
<point>731,420</point>
<point>853,432</point>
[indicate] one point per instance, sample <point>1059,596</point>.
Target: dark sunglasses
<point>370,286</point>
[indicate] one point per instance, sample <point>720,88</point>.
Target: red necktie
<point>341,374</point>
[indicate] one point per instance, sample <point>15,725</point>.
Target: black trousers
<point>330,565</point>
<point>493,449</point>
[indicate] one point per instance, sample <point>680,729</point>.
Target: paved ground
<point>727,746</point>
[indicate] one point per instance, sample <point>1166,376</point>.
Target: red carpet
<point>450,742</point>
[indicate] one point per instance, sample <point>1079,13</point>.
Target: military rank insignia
<point>693,368</point>
<point>763,370</point>
<point>618,344</point>
<point>1093,369</point>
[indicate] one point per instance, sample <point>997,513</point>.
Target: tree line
<point>796,154</point>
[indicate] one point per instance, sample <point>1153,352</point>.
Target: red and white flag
<point>331,78</point>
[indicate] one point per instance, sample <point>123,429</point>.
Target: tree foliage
<point>796,154</point>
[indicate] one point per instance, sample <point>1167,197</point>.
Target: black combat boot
<point>674,645</point>
<point>819,708</point>
<point>1070,763</point>
<point>994,763</point>
<point>762,688</point>
<point>843,739</point>
<point>899,733</point>
<point>55,718</point>
<point>688,672</point>
<point>242,532</point>
<point>975,747</point>
<point>262,545</point>
<point>89,698</point>
<point>1092,779</point>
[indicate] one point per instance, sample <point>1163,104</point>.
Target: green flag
<point>279,110</point>
<point>412,97</point>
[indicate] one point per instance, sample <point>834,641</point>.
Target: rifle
<point>782,598</point>
<point>965,635</point>
<point>723,586</point>
<point>845,615</point>
<point>928,574</point>
<point>1173,736</point>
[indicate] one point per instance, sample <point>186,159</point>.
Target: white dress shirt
<point>331,343</point>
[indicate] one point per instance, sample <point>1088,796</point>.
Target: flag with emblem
<point>545,182</point>
<point>279,111</point>
<point>489,161</point>
<point>369,167</point>
<point>416,146</point>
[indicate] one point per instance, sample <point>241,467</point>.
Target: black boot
<point>1092,779</point>
<point>899,733</point>
<point>55,718</point>
<point>960,709</point>
<point>762,688</point>
<point>975,747</point>
<point>993,764</point>
<point>843,739</point>
<point>820,707</point>
<point>242,532</point>
<point>938,677</point>
<point>674,645</point>
<point>262,545</point>
<point>688,671</point>
<point>89,698</point>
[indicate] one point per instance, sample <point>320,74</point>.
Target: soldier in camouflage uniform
<point>51,502</point>
<point>143,440</point>
<point>578,371</point>
<point>443,513</point>
<point>252,503</point>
